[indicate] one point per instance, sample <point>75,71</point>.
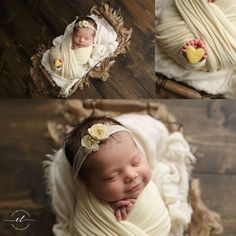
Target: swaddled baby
<point>69,58</point>
<point>116,195</point>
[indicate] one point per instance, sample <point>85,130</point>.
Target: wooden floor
<point>26,24</point>
<point>210,127</point>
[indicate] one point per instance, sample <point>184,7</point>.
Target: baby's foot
<point>197,44</point>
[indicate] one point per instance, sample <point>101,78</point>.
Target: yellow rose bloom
<point>99,131</point>
<point>90,144</point>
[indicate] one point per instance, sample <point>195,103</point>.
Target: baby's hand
<point>123,207</point>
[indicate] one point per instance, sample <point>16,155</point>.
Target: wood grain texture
<point>210,127</point>
<point>28,23</point>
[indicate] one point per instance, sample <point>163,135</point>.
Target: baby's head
<point>84,32</point>
<point>116,168</point>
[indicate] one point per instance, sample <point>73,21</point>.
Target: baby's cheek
<point>105,192</point>
<point>113,191</point>
<point>147,173</point>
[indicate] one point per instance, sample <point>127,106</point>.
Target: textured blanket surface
<point>149,217</point>
<point>74,61</point>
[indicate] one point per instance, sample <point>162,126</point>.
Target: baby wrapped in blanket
<point>107,181</point>
<point>114,183</point>
<point>69,58</point>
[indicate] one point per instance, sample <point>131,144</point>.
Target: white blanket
<point>105,45</point>
<point>222,81</point>
<point>168,156</point>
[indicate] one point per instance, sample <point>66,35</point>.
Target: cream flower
<point>84,23</point>
<point>99,131</point>
<point>90,144</point>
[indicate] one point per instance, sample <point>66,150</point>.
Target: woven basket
<point>204,221</point>
<point>43,81</point>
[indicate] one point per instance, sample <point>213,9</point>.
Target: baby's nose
<point>130,177</point>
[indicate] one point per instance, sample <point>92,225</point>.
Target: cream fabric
<point>105,44</point>
<point>149,217</point>
<point>73,60</point>
<point>180,21</point>
<point>168,156</point>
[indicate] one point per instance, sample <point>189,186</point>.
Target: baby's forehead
<point>121,137</point>
<point>120,143</point>
<point>84,31</point>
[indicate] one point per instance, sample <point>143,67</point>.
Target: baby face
<point>118,170</point>
<point>83,37</point>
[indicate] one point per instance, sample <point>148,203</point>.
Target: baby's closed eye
<point>111,177</point>
<point>137,161</point>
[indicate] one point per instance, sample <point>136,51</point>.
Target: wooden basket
<point>204,221</point>
<point>45,84</point>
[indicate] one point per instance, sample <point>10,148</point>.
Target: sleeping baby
<point>116,195</point>
<point>69,58</point>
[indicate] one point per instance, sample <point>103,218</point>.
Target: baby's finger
<point>133,200</point>
<point>123,213</point>
<point>121,203</point>
<point>118,214</point>
<point>129,207</point>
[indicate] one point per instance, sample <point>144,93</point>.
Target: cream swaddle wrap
<point>179,21</point>
<point>167,155</point>
<point>149,217</point>
<point>214,24</point>
<point>74,60</point>
<point>105,44</point>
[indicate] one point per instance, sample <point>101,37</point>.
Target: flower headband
<point>91,141</point>
<point>85,24</point>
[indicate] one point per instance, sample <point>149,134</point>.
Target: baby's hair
<point>86,18</point>
<point>73,139</point>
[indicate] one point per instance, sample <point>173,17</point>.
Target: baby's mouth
<point>77,45</point>
<point>136,188</point>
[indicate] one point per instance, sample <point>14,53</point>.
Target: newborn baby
<point>115,182</point>
<point>70,57</point>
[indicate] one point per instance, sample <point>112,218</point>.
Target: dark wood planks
<point>27,24</point>
<point>210,127</point>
